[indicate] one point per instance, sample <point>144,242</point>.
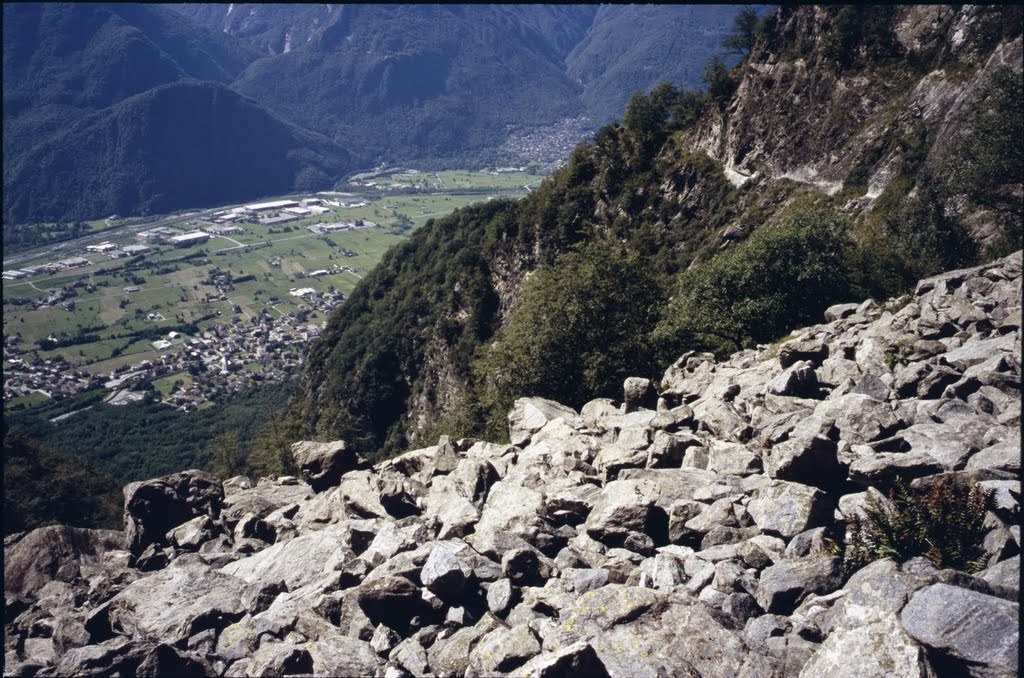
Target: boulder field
<point>695,529</point>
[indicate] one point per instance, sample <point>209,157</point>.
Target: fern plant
<point>944,523</point>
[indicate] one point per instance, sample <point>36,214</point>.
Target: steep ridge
<point>705,527</point>
<point>852,114</point>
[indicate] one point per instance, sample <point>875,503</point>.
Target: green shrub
<point>777,279</point>
<point>944,523</point>
<point>579,328</point>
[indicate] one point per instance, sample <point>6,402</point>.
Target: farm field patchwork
<point>115,297</point>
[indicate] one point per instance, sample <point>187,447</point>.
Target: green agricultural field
<point>170,280</point>
<point>165,385</point>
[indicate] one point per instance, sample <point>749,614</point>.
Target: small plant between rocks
<point>944,523</point>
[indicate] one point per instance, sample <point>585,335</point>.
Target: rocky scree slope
<point>691,531</point>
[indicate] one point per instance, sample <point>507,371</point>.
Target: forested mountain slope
<point>443,83</point>
<point>851,153</point>
<point>126,109</point>
<point>343,87</point>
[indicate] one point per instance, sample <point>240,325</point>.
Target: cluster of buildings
<point>214,360</point>
<point>267,213</point>
<point>346,226</point>
<point>38,269</point>
<point>62,296</point>
<point>28,373</point>
<point>117,251</point>
<point>551,144</point>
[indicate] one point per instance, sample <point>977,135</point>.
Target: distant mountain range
<point>135,109</point>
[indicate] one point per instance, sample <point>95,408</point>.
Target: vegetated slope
<point>178,145</point>
<point>140,440</point>
<point>124,108</point>
<point>630,47</point>
<point>410,353</point>
<point>42,487</point>
<point>443,83</point>
<point>428,81</point>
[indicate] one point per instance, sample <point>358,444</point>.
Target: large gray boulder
<point>621,510</point>
<point>58,553</point>
<point>172,605</point>
<point>812,460</point>
<point>529,415</point>
<point>154,507</point>
<point>787,509</point>
<point>639,393</point>
<point>859,418</point>
<point>443,574</point>
<point>979,632</point>
<point>393,601</point>
<point>323,464</point>
<point>339,655</point>
<point>782,586</point>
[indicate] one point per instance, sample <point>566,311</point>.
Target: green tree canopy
<point>579,328</point>
<point>777,279</point>
<point>741,37</point>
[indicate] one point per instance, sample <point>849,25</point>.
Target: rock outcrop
<point>701,538</point>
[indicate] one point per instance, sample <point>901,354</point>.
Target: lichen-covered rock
<point>503,650</point>
<point>878,649</point>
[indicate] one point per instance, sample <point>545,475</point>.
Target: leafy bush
<point>745,28</point>
<point>776,280</point>
<point>578,330</point>
<point>716,76</point>
<point>944,523</point>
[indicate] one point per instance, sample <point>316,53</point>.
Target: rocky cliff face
<point>800,114</point>
<point>692,531</point>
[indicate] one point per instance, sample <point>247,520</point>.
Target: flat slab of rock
<point>978,630</point>
<point>296,561</point>
<point>176,603</point>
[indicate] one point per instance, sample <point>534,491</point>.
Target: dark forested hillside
<point>631,47</point>
<point>213,146</point>
<point>344,87</point>
<point>125,109</point>
<point>778,192</point>
<point>443,83</point>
